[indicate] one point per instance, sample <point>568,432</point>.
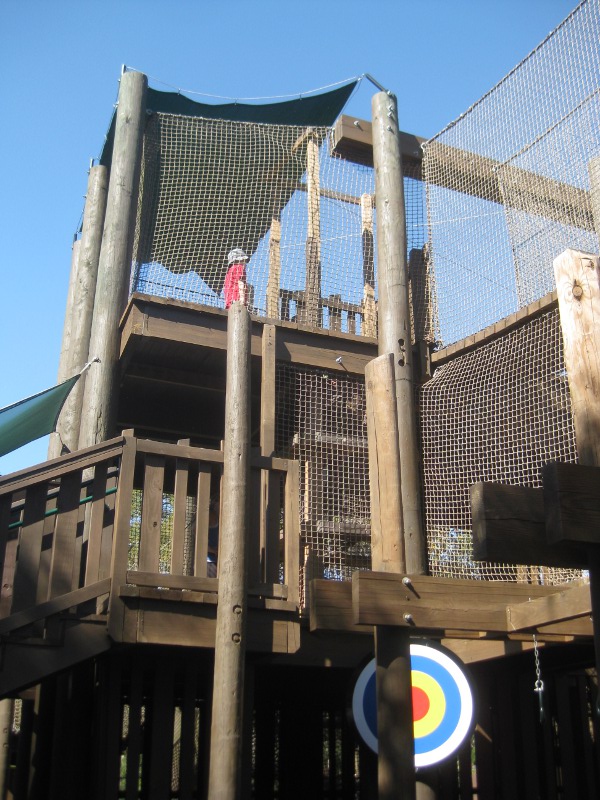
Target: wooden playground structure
<point>132,668</point>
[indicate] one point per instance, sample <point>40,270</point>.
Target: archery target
<point>442,704</point>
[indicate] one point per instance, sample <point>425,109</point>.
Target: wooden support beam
<point>80,307</point>
<point>394,314</point>
<point>556,607</point>
<point>311,314</point>
<point>100,395</point>
<point>230,637</point>
<point>387,524</point>
<point>353,140</point>
<point>509,526</point>
<point>420,602</point>
<point>274,281</point>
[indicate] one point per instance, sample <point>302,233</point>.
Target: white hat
<point>236,255</point>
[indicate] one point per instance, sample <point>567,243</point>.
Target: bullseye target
<point>442,704</point>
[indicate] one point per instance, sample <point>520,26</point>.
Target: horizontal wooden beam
<point>353,140</point>
<point>557,607</point>
<point>509,526</point>
<point>55,606</point>
<point>430,603</point>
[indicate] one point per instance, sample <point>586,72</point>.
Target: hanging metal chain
<point>538,686</point>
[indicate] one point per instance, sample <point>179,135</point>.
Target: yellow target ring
<point>437,703</point>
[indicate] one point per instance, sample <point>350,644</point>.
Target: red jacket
<point>231,288</point>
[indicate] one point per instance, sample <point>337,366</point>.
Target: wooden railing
<point>343,316</point>
<point>133,511</point>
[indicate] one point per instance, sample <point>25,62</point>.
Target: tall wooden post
<point>396,774</point>
<point>369,324</point>
<point>80,307</point>
<point>274,268</point>
<point>230,642</point>
<point>394,312</point>
<point>578,286</point>
<point>100,396</point>
<point>312,295</point>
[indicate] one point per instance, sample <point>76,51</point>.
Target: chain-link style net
<point>304,216</point>
<point>508,182</point>
<point>321,421</point>
<point>495,414</point>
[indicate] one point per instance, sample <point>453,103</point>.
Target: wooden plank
<point>95,523</point>
<point>291,560</point>
<point>387,523</point>
<point>120,551</point>
<point>152,504</point>
<point>331,607</point>
<point>134,735</point>
<point>50,470</point>
<point>8,554</point>
<point>269,490</point>
<point>30,546</point>
<point>54,606</point>
<point>353,140</point>
<point>435,603</point>
<point>63,550</point>
<point>202,521</point>
<point>179,513</point>
<point>561,605</point>
<point>312,311</point>
<point>257,539</point>
<point>509,525</point>
<point>161,735</point>
<point>572,503</point>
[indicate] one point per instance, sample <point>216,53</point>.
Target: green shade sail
<point>36,416</point>
<point>314,110</point>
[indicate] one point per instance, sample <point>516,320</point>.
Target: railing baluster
<point>65,532</point>
<point>152,504</point>
<point>30,546</point>
<point>95,524</point>
<point>256,534</point>
<point>292,533</point>
<point>8,554</point>
<point>179,513</point>
<point>202,520</point>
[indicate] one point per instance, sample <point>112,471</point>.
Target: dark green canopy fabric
<point>316,110</point>
<point>27,420</point>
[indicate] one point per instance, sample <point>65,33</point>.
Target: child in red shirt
<point>234,287</point>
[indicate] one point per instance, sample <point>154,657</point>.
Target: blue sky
<point>59,68</point>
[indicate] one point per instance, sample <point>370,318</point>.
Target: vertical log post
<point>578,286</point>
<point>274,268</point>
<point>312,296</point>
<point>369,325</point>
<point>100,395</point>
<point>230,640</point>
<point>396,773</point>
<point>80,307</point>
<point>394,312</point>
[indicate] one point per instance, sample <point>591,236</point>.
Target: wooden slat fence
<point>58,523</point>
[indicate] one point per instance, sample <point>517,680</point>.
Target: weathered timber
<point>394,313</point>
<point>395,766</point>
<point>311,314</point>
<point>436,603</point>
<point>353,140</point>
<point>395,755</point>
<point>274,268</point>
<point>594,173</point>
<point>509,526</point>
<point>150,320</point>
<point>578,288</point>
<point>230,638</point>
<point>369,326</point>
<point>572,503</point>
<point>269,486</point>
<point>571,602</point>
<point>80,308</point>
<point>99,399</point>
<point>387,524</point>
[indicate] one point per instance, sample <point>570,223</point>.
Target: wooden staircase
<point>108,546</point>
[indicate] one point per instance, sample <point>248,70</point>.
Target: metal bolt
<point>408,618</point>
<point>406,581</point>
<point>339,360</point>
<point>577,291</point>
